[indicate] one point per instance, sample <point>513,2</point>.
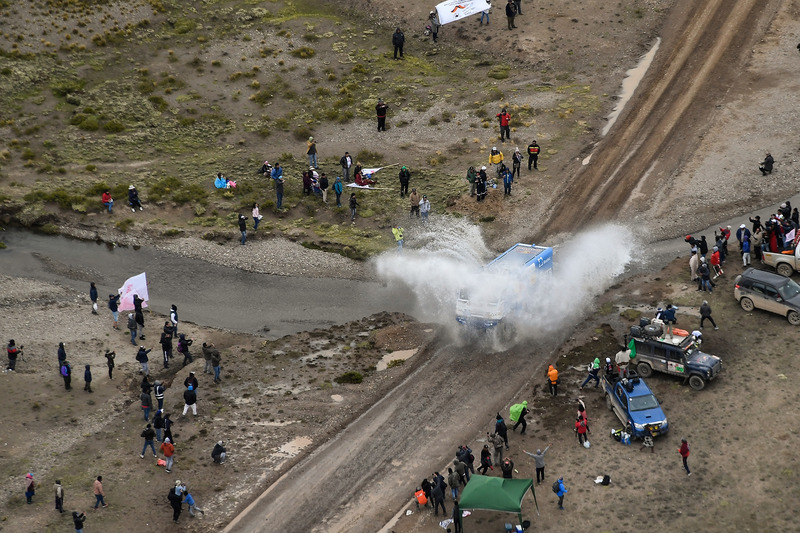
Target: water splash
<point>450,254</point>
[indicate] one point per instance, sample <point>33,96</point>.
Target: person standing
<point>505,129</point>
<point>497,443</point>
<point>159,390</point>
<point>495,158</point>
<point>414,199</point>
<point>581,429</point>
<point>78,518</point>
<point>705,314</point>
<point>516,163</point>
<point>279,194</point>
<point>173,317</point>
<point>380,111</point>
<point>13,352</point>
<point>346,162</point>
<point>480,185</point>
<point>434,25</point>
<point>538,458</point>
<point>561,491</point>
<point>166,347</point>
<point>59,494</point>
<point>507,467</point>
<point>147,403</point>
<point>176,501</point>
<point>132,327</point>
<point>552,379</point>
<point>256,216</point>
<point>438,496</point>
<point>457,518</point>
<point>208,350</point>
<point>511,13</point>
<point>323,186</point>
<point>518,4</point>
<point>30,487</point>
<point>705,276</point>
<point>139,314</point>
<point>191,379</point>
<point>486,460</point>
<point>501,429</point>
<point>99,494</point>
<point>337,189</point>
<point>455,481</point>
<point>425,208</point>
<point>168,428</point>
<point>87,378</point>
<point>113,305</point>
<point>746,250</point>
<point>397,231</point>
<point>311,152</point>
<point>141,357</point>
<point>243,227</point>
<point>398,40</point>
<point>93,297</point>
<point>472,176</point>
<point>183,348</point>
<point>485,13</point>
<point>684,451</point>
<point>62,354</point>
<point>594,370</point>
<point>169,453</point>
<point>405,178</point>
<point>517,414</point>
<point>508,180</point>
<point>533,155</point>
<point>66,373</point>
<point>158,424</point>
<point>694,263</point>
<point>190,400</point>
<point>148,435</point>
<point>668,316</point>
<point>353,206</point>
<point>216,360</point>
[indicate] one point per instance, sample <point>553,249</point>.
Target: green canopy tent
<point>496,494</point>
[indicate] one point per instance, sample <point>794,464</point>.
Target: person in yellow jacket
<point>552,378</point>
<point>495,159</point>
<point>397,231</point>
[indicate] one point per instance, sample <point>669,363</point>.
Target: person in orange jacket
<point>552,377</point>
<point>169,452</point>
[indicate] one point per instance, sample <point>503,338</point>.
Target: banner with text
<point>453,10</point>
<point>135,285</point>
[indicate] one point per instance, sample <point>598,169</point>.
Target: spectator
<point>59,494</point>
<point>705,314</point>
<point>108,201</point>
<point>311,151</point>
<point>99,494</point>
<point>87,378</point>
<point>517,414</point>
<point>765,168</point>
<point>561,492</point>
<point>256,216</point>
<point>216,360</point>
<point>486,460</point>
<point>511,13</point>
<point>455,481</point>
<point>78,518</point>
<point>169,453</point>
<point>405,178</point>
<point>337,188</point>
<point>472,177</point>
<point>158,424</point>
<point>434,25</point>
<point>425,208</point>
<point>93,297</point>
<point>495,158</point>
<point>533,155</point>
<point>507,467</point>
<point>398,40</point>
<point>30,487</point>
<point>353,206</point>
<point>189,500</point>
<point>516,163</point>
<point>594,370</point>
<point>141,357</point>
<point>323,186</point>
<point>133,199</point>
<point>380,110</point>
<point>219,452</point>
<point>414,199</point>
<point>552,380</point>
<point>190,400</point>
<point>113,305</point>
<point>501,429</point>
<point>346,162</point>
<point>147,404</point>
<point>397,231</point>
<point>505,131</point>
<point>243,227</point>
<point>148,435</point>
<point>684,451</point>
<point>66,373</point>
<point>538,458</point>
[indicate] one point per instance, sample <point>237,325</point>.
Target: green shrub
<point>350,377</point>
<point>499,72</point>
<point>114,126</point>
<point>262,97</point>
<point>124,225</point>
<point>159,104</point>
<point>302,133</point>
<point>304,52</point>
<point>62,88</point>
<point>183,26</point>
<point>90,123</point>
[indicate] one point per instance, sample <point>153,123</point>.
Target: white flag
<point>135,285</point>
<point>453,10</point>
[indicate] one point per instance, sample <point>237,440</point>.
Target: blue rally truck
<point>635,405</point>
<point>501,288</point>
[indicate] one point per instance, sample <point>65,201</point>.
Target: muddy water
<point>205,294</point>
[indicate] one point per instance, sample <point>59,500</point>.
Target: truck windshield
<point>643,403</point>
<point>789,290</point>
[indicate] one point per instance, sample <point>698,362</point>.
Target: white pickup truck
<point>783,263</point>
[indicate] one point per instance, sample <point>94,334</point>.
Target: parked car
<point>677,356</point>
<point>784,263</point>
<point>759,289</point>
<point>635,405</point>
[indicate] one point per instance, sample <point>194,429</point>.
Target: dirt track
<point>704,46</point>
<point>357,481</point>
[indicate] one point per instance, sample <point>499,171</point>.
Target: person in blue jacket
<point>668,316</point>
<point>562,490</point>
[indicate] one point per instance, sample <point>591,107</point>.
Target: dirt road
<point>704,46</point>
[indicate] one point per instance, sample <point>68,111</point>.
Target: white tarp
<point>453,10</point>
<point>135,285</point>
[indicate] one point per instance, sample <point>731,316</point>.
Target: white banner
<point>453,10</point>
<point>135,285</point>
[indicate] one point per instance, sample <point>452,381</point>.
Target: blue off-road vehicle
<point>635,405</point>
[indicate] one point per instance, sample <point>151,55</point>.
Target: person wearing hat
<point>414,199</point>
<point>741,233</point>
<point>190,400</point>
<point>511,13</point>
<point>219,452</point>
<point>176,500</point>
<point>538,458</point>
<point>434,25</point>
<point>133,199</point>
<point>380,110</point>
<point>495,159</point>
<point>243,227</point>
<point>398,40</point>
<point>424,208</point>
<point>148,434</point>
<point>168,450</point>
<point>705,276</point>
<point>190,381</point>
<point>505,130</point>
<point>78,518</point>
<point>480,185</point>
<point>533,155</point>
<point>30,487</point>
<point>311,152</point>
<point>405,177</point>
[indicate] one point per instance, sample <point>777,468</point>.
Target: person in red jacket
<point>505,131</point>
<point>580,429</point>
<point>715,263</point>
<point>168,449</point>
<point>108,201</point>
<point>684,451</point>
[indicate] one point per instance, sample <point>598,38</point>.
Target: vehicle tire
<point>653,330</point>
<point>784,270</point>
<point>608,403</point>
<point>747,304</point>
<point>696,382</point>
<point>629,431</point>
<point>794,318</point>
<point>644,370</point>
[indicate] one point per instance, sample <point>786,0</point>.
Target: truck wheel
<point>696,382</point>
<point>608,403</point>
<point>629,431</point>
<point>747,304</point>
<point>644,370</point>
<point>784,269</point>
<point>794,318</point>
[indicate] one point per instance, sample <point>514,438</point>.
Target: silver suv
<point>768,291</point>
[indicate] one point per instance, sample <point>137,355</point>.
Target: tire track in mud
<point>703,46</point>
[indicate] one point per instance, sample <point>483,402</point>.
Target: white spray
<point>448,255</point>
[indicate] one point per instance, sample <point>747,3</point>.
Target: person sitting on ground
<point>219,452</point>
<point>133,199</point>
<point>363,181</point>
<point>265,169</point>
<point>108,201</point>
<point>220,182</point>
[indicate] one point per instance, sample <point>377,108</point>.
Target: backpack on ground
<point>556,487</point>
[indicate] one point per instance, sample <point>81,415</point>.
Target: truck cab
<point>635,405</point>
<point>677,356</point>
